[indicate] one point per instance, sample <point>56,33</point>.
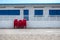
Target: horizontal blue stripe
<point>32,4</point>
<point>54,12</point>
<point>38,12</point>
<point>9,12</point>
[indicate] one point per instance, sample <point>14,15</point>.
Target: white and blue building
<point>37,15</point>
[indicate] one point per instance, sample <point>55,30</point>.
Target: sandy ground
<point>29,34</point>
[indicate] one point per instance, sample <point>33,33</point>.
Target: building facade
<point>37,15</point>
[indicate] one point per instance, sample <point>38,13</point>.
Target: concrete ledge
<point>29,34</point>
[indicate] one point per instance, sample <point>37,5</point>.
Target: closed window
<point>9,12</point>
<point>38,12</point>
<point>54,12</point>
<point>26,14</point>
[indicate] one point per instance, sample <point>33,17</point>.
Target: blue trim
<point>31,4</point>
<point>9,12</point>
<point>26,12</point>
<point>54,12</point>
<point>38,12</point>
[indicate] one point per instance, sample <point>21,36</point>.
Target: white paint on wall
<point>43,24</point>
<point>32,24</point>
<point>6,21</point>
<point>6,24</point>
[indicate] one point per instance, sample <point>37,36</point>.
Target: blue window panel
<point>26,17</point>
<point>54,12</point>
<point>9,12</point>
<point>26,12</point>
<point>38,12</point>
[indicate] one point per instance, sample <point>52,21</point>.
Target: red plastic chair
<point>24,23</point>
<point>20,23</point>
<point>15,23</point>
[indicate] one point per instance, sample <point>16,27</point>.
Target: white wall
<point>32,24</point>
<point>44,21</point>
<point>43,24</point>
<point>6,24</point>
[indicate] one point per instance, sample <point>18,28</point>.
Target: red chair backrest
<point>21,24</point>
<point>15,23</point>
<point>24,22</point>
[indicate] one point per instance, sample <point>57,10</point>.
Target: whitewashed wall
<point>43,24</point>
<point>6,21</point>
